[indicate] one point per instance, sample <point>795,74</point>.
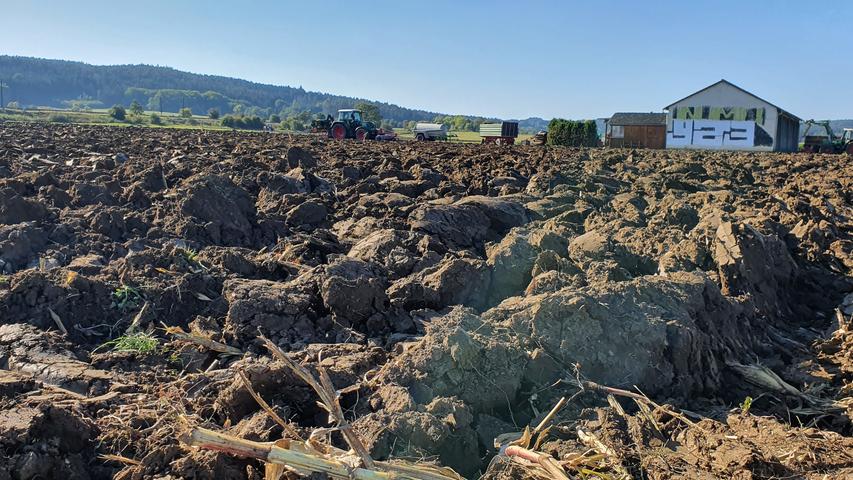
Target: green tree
<point>213,113</point>
<point>572,133</point>
<point>118,112</point>
<point>275,118</point>
<point>136,108</point>
<point>244,122</point>
<point>369,112</point>
<point>186,112</point>
<point>156,120</point>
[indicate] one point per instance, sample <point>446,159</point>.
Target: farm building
<point>641,130</point>
<point>726,117</point>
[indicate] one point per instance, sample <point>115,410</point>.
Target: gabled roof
<point>724,81</point>
<point>627,118</point>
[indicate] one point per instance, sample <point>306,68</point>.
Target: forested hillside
<point>59,83</point>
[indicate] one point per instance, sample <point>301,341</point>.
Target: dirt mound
<point>453,293</point>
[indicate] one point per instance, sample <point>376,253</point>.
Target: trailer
<point>501,133</point>
<point>429,131</point>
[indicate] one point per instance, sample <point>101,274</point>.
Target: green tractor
<point>828,143</point>
<point>349,124</point>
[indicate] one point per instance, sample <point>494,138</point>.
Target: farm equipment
<point>828,143</point>
<point>429,132</point>
<point>502,133</point>
<point>541,138</point>
<point>349,124</point>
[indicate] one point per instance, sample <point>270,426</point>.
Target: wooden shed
<point>636,130</point>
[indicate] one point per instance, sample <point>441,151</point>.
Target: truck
<point>429,131</point>
<point>500,133</point>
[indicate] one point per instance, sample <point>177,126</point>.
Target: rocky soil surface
<point>460,290</point>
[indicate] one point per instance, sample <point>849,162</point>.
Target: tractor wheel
<point>420,137</point>
<point>339,131</point>
<point>849,148</point>
<point>360,134</point>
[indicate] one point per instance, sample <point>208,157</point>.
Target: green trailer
<point>501,133</point>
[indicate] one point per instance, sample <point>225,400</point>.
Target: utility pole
<point>2,103</point>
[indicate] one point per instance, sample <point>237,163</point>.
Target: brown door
<point>655,136</point>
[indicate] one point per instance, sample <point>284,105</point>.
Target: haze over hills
<point>67,84</point>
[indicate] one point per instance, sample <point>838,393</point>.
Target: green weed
<point>190,255</point>
<point>136,342</point>
<point>126,297</point>
<point>4,279</point>
<point>746,405</point>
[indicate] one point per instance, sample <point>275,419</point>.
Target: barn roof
<point>627,118</point>
<point>726,82</point>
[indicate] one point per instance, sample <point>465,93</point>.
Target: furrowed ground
<point>459,290</point>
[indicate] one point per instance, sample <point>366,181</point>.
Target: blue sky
<point>498,58</point>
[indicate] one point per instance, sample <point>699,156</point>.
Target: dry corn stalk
<point>328,400</point>
<point>266,407</point>
<point>589,439</point>
<point>303,458</point>
<point>311,456</point>
<point>543,460</point>
<point>202,340</point>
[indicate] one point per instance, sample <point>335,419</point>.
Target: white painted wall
<point>720,134</point>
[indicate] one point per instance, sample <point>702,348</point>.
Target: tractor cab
<point>847,136</point>
<point>349,115</point>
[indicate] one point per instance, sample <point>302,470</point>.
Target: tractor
<point>828,143</point>
<point>349,124</point>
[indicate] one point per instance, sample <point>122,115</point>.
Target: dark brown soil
<point>456,285</point>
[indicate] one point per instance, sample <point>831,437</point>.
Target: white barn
<point>724,116</point>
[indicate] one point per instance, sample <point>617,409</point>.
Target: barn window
<point>618,131</point>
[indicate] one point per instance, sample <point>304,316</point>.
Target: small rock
<point>310,212</point>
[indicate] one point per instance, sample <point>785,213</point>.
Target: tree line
<point>573,133</point>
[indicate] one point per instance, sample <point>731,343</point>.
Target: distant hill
<point>59,83</point>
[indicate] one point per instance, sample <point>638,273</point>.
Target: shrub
<point>213,113</point>
<point>247,123</point>
<point>571,133</point>
<point>186,112</point>
<point>58,118</point>
<point>118,112</point>
<point>156,120</point>
<point>275,118</point>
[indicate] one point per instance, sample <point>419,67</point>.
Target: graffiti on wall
<point>719,113</point>
<point>719,127</point>
<point>711,133</point>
